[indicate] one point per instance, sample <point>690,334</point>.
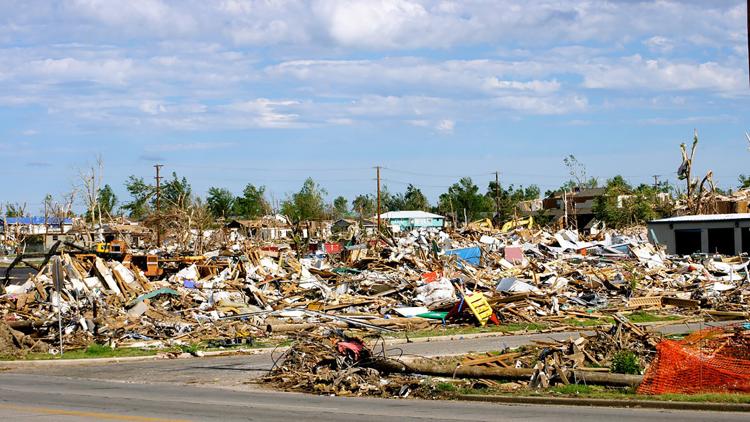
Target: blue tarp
<point>26,221</point>
<point>470,255</point>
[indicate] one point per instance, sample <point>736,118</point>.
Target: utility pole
<point>656,181</point>
<point>58,275</point>
<point>158,204</point>
<point>497,194</point>
<point>378,175</point>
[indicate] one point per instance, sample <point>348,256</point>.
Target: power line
<point>414,173</point>
<point>401,182</point>
<point>215,167</point>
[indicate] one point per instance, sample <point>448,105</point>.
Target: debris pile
<point>335,364</point>
<point>420,279</point>
<point>342,366</point>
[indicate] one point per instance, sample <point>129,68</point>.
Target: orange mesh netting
<point>711,360</point>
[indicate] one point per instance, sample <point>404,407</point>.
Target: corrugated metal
<point>408,214</point>
<point>27,221</point>
<point>702,218</point>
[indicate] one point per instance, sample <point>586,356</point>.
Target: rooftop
<point>25,221</point>
<point>408,214</point>
<point>702,217</point>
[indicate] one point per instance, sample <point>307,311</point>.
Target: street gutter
<point>623,403</point>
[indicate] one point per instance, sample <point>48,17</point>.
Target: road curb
<point>644,404</point>
<point>161,356</point>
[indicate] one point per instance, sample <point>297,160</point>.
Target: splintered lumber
<point>286,328</point>
<point>490,359</point>
<point>728,314</point>
<point>680,303</point>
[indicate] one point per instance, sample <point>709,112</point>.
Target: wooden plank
<point>490,359</point>
<point>645,301</point>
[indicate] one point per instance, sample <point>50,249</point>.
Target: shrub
<point>625,362</point>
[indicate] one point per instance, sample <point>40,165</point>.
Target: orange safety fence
<point>710,360</point>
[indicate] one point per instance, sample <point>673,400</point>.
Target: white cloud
<point>263,112</point>
<point>535,86</point>
<point>659,44</point>
<point>190,146</point>
<point>135,15</point>
<point>661,74</point>
<point>445,126</point>
<point>71,69</point>
<point>235,64</point>
<point>372,23</point>
<point>690,120</point>
<point>152,107</point>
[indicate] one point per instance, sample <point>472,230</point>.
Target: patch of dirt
<point>17,344</point>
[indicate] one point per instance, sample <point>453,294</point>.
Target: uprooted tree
<point>698,195</point>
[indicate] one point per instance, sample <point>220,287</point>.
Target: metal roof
<point>702,218</point>
<point>26,221</point>
<point>391,215</point>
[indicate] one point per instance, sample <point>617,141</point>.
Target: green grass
<point>446,387</point>
<point>588,322</point>
<point>573,389</point>
<point>103,351</point>
<point>454,331</point>
<point>636,317</point>
<point>643,316</point>
<point>93,351</point>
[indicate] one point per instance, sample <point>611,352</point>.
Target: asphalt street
<point>50,398</point>
<point>223,388</point>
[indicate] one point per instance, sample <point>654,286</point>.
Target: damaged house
<point>35,234</point>
<point>577,205</point>
<point>271,227</point>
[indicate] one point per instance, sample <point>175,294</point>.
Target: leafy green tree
<point>390,201</point>
<point>15,210</point>
<point>509,198</point>
<point>142,194</point>
<point>220,202</point>
<point>414,199</point>
<point>340,207</point>
<point>364,206</point>
<point>176,192</point>
<point>465,195</point>
<point>744,182</point>
<point>622,205</point>
<point>252,203</point>
<point>610,207</point>
<point>411,199</point>
<point>107,200</point>
<point>307,204</point>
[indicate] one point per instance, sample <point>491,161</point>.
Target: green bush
<point>625,362</point>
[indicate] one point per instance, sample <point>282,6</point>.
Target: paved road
<point>49,398</point>
<point>180,389</point>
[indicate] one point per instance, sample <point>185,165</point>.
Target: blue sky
<point>270,92</point>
